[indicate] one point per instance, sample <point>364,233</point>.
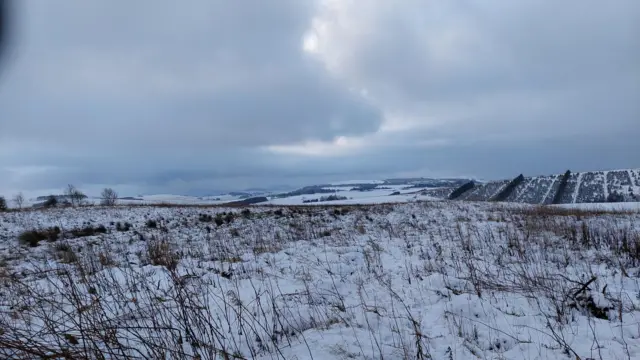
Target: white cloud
<point>340,146</point>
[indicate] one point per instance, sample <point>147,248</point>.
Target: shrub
<point>65,253</point>
<point>246,213</point>
<point>51,201</point>
<point>152,224</point>
<point>123,227</point>
<point>3,203</point>
<point>109,197</point>
<point>229,218</point>
<point>74,195</point>
<point>205,218</point>
<point>52,233</point>
<point>160,253</point>
<point>31,238</point>
<point>89,231</point>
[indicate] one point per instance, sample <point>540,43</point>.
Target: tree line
<point>72,196</point>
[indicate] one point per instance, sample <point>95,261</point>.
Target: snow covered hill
<point>585,187</point>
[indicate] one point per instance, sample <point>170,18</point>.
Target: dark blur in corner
<point>4,30</point>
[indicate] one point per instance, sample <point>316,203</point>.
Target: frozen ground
<point>419,280</point>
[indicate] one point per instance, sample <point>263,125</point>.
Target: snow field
<point>421,280</point>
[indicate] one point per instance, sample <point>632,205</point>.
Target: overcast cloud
<point>192,97</point>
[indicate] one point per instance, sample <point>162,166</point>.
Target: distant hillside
<point>568,188</point>
<point>426,182</point>
<point>439,185</point>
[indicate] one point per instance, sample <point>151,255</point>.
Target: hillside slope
<point>581,187</point>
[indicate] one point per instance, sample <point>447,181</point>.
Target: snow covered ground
<point>417,280</point>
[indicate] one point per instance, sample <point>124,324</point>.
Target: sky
<point>199,96</point>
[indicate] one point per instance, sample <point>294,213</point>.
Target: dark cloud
<point>155,96</point>
<point>202,74</point>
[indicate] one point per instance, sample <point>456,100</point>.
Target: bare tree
<point>109,197</point>
<point>18,200</point>
<point>74,195</point>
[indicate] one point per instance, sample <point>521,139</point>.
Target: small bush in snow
<point>161,253</point>
<point>229,218</point>
<point>51,201</point>
<point>65,253</point>
<point>109,197</point>
<point>123,227</point>
<point>31,238</point>
<point>74,195</point>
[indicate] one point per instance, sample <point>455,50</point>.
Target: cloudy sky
<point>191,97</point>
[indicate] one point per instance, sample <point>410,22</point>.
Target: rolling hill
<point>569,188</point>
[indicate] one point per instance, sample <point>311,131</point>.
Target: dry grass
<point>187,296</point>
<point>161,252</point>
<point>557,211</point>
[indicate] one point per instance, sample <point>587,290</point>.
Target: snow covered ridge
<point>422,280</point>
<point>568,188</point>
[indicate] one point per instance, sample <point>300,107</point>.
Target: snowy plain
<point>413,280</point>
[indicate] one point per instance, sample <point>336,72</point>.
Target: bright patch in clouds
<point>310,42</point>
<point>340,146</point>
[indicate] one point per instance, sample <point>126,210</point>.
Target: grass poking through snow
<point>436,280</point>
